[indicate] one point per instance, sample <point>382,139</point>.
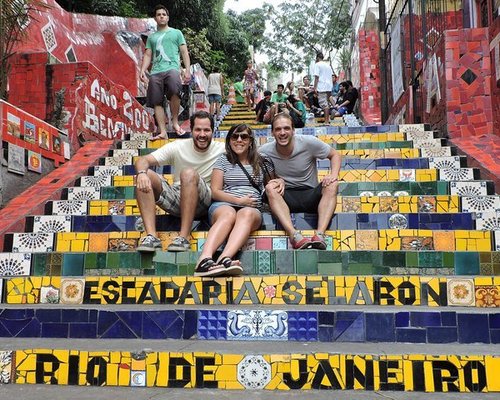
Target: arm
<point>218,194</point>
<point>335,163</point>
<point>143,182</point>
<point>146,61</point>
<point>316,80</point>
<point>186,61</point>
<point>222,85</point>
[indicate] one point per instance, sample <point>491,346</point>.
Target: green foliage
<point>300,29</point>
<point>251,23</point>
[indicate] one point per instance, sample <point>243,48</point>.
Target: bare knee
<point>330,190</point>
<point>189,176</point>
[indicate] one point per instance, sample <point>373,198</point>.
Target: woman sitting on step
<point>238,181</point>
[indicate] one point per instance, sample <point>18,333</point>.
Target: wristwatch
<point>142,171</point>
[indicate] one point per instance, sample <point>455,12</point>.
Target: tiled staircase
<point>404,299</point>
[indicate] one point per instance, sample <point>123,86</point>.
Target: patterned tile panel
<point>51,223</point>
<point>481,204</point>
<point>32,242</point>
<point>257,325</point>
<point>69,207</point>
<point>12,264</point>
<point>83,193</point>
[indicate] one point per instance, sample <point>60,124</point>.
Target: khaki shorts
<point>170,198</point>
<point>323,99</point>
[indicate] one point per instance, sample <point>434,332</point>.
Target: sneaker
<point>179,244</point>
<point>299,242</point>
<point>318,241</point>
<point>149,244</point>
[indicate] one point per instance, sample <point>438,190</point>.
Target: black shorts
<point>303,199</point>
<point>163,84</point>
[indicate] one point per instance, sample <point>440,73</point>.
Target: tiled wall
<point>419,372</point>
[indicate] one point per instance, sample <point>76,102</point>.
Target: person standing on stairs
<point>162,49</point>
<point>238,180</point>
<point>323,84</point>
<point>190,195</point>
<point>297,188</point>
<point>215,91</point>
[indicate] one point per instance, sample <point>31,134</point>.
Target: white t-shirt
<point>324,72</point>
<point>181,154</point>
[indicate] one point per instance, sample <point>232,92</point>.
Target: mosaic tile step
<point>255,262</point>
<point>343,240</point>
<point>365,189</point>
<point>373,204</point>
<point>237,367</point>
<point>297,290</point>
<point>253,325</point>
<point>340,221</point>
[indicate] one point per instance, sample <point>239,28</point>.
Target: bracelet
<point>142,171</point>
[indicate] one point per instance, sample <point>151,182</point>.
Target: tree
<point>14,17</point>
<point>300,29</point>
<point>251,23</point>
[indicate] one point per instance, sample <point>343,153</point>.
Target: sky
<point>243,5</point>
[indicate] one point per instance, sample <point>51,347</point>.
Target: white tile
<point>468,188</point>
<point>72,290</point>
<point>69,207</point>
<point>496,236</point>
<point>461,292</point>
<point>33,242</point>
<point>15,264</point>
<point>412,128</point>
<point>444,162</point>
<point>137,378</point>
<point>254,372</point>
<point>488,221</point>
<point>84,193</point>
<point>407,175</point>
<point>435,152</point>
<point>96,181</point>
<point>257,325</point>
<point>134,144</point>
<point>6,367</point>
<point>108,170</point>
<point>456,174</point>
<point>432,143</point>
<point>481,204</point>
<point>49,295</point>
<point>419,135</point>
<point>52,223</point>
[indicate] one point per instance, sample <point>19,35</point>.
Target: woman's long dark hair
<point>253,155</point>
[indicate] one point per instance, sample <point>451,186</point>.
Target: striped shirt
<point>235,181</point>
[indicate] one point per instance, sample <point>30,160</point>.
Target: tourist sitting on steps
<point>350,95</point>
<point>297,189</point>
<point>190,195</point>
<point>238,180</point>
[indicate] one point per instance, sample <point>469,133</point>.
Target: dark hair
<point>350,83</point>
<point>282,86</point>
<point>253,155</point>
<point>282,115</point>
<point>267,93</point>
<point>160,7</point>
<point>320,55</point>
<point>345,85</point>
<point>291,98</point>
<point>201,115</point>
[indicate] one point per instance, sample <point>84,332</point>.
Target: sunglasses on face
<point>242,136</point>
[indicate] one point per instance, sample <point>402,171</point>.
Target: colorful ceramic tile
<point>254,372</point>
<point>428,152</point>
<point>351,204</point>
<point>137,378</point>
<point>69,207</point>
<point>481,204</point>
<point>84,193</point>
<point>398,221</point>
<point>6,366</point>
<point>33,242</point>
<point>417,243</point>
<point>488,221</point>
<point>487,296</point>
<point>96,181</point>
<point>407,175</point>
<point>51,223</point>
<point>107,170</point>
<point>426,204</point>
<point>49,295</point>
<point>12,264</point>
<point>444,162</point>
<point>257,325</point>
<point>470,189</point>
<point>72,291</point>
<point>460,292</point>
<point>456,174</point>
<point>366,240</point>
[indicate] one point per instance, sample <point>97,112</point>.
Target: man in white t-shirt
<point>323,84</point>
<point>190,194</point>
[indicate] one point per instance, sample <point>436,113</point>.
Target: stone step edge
<point>240,366</point>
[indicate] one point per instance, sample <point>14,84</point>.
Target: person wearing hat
<point>262,108</point>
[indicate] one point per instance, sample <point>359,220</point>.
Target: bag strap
<point>252,182</point>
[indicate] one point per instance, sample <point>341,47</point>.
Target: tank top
<point>214,84</point>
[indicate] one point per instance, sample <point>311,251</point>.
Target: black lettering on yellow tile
<point>325,370</point>
<point>46,367</point>
<point>388,375</point>
<point>297,383</point>
<point>291,292</point>
<point>165,287</point>
<point>148,293</point>
<point>111,292</point>
<point>365,378</point>
<point>445,376</point>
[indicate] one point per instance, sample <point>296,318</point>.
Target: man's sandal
<point>207,267</point>
<point>231,267</point>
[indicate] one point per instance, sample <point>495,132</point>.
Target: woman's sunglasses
<point>242,136</point>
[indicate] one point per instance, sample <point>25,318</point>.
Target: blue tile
<point>176,329</point>
<point>495,321</point>
<point>302,326</point>
<point>449,318</point>
<point>119,330</point>
<point>410,335</point>
<point>325,334</point>
<point>442,334</point>
<point>402,319</point>
<point>495,336</point>
<point>83,331</point>
<point>380,327</point>
<point>190,324</point>
<point>212,324</point>
<point>16,313</point>
<point>466,263</point>
<point>4,332</point>
<point>78,315</point>
<point>354,332</point>
<point>56,330</point>
<point>48,315</point>
<point>473,328</point>
<point>16,325</point>
<point>326,318</point>
<point>105,320</point>
<point>151,330</point>
<point>33,330</point>
<point>133,320</point>
<point>425,319</point>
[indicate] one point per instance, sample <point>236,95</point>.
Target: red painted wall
<point>495,73</point>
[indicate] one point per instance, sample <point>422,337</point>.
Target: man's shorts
<point>342,110</point>
<point>170,198</point>
<point>214,98</point>
<point>163,84</point>
<point>303,199</point>
<point>323,99</point>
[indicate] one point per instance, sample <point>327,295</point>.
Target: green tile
<point>182,257</point>
<point>149,272</point>
<point>381,270</point>
<point>162,268</point>
<point>39,264</point>
<point>247,260</point>
<point>329,257</point>
<point>306,261</point>
<point>411,259</point>
<point>285,261</point>
<point>359,269</point>
<point>164,256</point>
<point>264,262</point>
<point>448,259</point>
<point>443,187</point>
<point>330,269</point>
<point>113,260</point>
<point>433,259</point>
<point>356,257</point>
<point>392,259</point>
<point>73,264</point>
<point>467,263</point>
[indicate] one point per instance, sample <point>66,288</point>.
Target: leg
<point>175,103</point>
<point>161,119</point>
<point>211,110</point>
<point>147,203</point>
<point>189,200</point>
<point>223,218</point>
<point>326,206</point>
<point>247,220</point>
<point>280,209</point>
<point>217,107</point>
